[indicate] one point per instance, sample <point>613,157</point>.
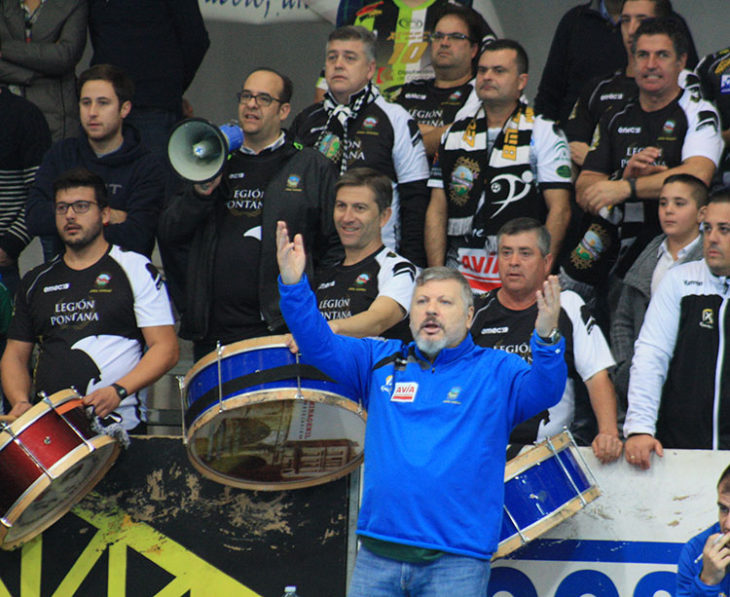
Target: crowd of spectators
<point>620,165</point>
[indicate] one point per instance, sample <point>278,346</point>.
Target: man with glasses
<point>92,311</point>
<point>434,102</point>
<point>229,223</point>
<point>112,149</point>
<point>496,163</point>
<point>679,395</point>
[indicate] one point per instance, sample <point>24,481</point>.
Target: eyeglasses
<point>262,99</point>
<point>79,207</point>
<point>439,36</point>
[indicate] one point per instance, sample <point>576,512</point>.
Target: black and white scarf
<point>345,114</point>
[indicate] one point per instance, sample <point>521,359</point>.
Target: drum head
<point>273,440</point>
<point>48,500</point>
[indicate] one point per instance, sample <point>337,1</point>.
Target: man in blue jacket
<point>703,564</point>
<point>109,148</point>
<point>440,410</point>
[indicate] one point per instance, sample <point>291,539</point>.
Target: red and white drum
<point>49,459</point>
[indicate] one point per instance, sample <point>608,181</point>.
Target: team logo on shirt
<point>362,279</point>
<point>388,385</point>
<point>595,242</point>
<point>404,392</point>
<point>564,171</point>
<point>451,397</point>
<point>369,122</point>
<point>102,280</point>
<point>669,127</point>
<point>455,96</point>
<point>463,177</point>
<point>293,183</point>
<point>708,319</point>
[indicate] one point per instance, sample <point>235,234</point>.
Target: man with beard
<point>440,410</point>
<point>100,315</point>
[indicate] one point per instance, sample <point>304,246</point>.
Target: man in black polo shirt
<point>99,314</point>
<point>434,102</point>
<point>665,131</point>
<point>369,292</point>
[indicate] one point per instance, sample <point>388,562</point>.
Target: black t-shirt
<point>431,105</point>
<point>236,313</point>
<point>87,322</point>
<point>598,97</point>
<point>686,127</point>
<point>346,290</point>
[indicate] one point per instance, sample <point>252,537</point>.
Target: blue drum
<point>256,418</point>
<point>542,487</point>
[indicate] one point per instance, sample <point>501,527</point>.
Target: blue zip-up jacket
<point>688,571</point>
<point>437,432</point>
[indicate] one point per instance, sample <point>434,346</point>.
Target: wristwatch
<point>121,391</point>
<point>550,339</point>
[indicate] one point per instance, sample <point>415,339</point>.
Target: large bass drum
<point>258,419</point>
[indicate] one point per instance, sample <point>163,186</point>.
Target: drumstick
<point>715,542</point>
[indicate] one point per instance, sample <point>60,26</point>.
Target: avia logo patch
<point>404,392</point>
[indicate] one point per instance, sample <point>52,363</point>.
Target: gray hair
<point>355,33</point>
<point>445,273</point>
<point>519,225</point>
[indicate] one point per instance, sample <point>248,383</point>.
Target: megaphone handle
<point>206,188</point>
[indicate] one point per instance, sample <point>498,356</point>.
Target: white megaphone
<point>198,149</point>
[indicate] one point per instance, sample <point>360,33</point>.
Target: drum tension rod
<point>564,469</point>
<point>514,522</point>
<point>298,395</point>
<point>89,446</point>
<point>219,353</point>
<point>181,387</point>
<point>27,452</point>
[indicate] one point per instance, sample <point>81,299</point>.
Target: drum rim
<point>41,484</point>
<point>34,413</point>
<point>229,350</point>
<point>274,486</point>
<point>524,461</point>
<point>325,397</point>
<point>329,398</point>
<point>536,529</point>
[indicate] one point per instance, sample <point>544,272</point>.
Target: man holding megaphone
<point>229,222</point>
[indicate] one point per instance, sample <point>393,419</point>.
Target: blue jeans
<point>448,576</point>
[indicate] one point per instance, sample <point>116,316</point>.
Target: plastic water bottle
<point>290,591</point>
